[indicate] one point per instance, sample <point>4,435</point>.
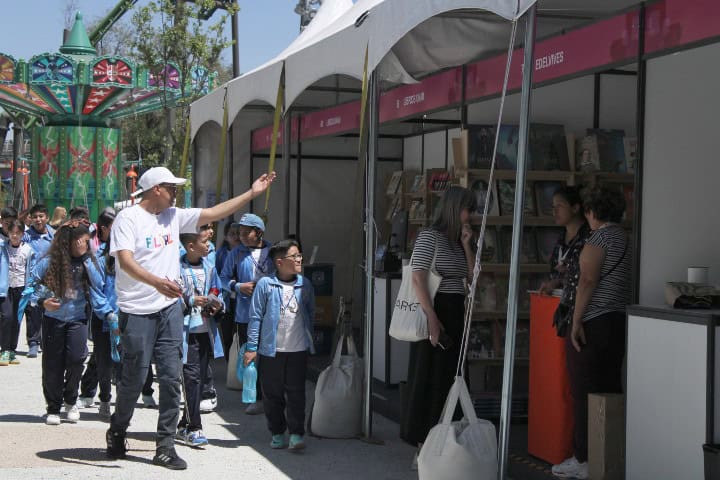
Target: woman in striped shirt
<point>596,344</point>
<point>446,248</point>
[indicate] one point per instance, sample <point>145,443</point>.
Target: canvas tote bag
<point>459,450</point>
<point>337,412</point>
<point>231,379</point>
<point>409,322</point>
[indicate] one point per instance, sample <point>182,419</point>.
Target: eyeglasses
<point>170,188</point>
<point>297,257</point>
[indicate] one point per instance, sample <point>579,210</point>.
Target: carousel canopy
<point>75,85</point>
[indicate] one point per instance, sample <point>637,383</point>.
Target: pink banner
<point>432,93</point>
<point>262,137</point>
<point>604,43</point>
<point>331,121</point>
<point>673,23</point>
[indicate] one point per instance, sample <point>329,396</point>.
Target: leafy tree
<point>171,31</point>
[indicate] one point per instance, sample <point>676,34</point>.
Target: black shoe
<point>166,457</point>
<point>116,444</point>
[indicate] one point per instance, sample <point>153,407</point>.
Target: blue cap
<point>252,220</point>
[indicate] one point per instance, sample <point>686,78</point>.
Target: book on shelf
<point>506,196</point>
<point>547,238</point>
<point>630,144</point>
<point>587,156</point>
<point>480,187</point>
<point>418,185</point>
<point>394,182</point>
<point>507,149</point>
<point>480,142</point>
<point>528,252</point>
<point>610,148</point>
<point>480,341</point>
<point>486,295</point>
<point>439,181</point>
<point>393,208</point>
<point>628,192</point>
<point>490,251</point>
<point>417,210</point>
<point>548,147</point>
<point>544,192</point>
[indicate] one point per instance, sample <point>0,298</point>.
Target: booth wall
<point>206,151</point>
<point>681,170</point>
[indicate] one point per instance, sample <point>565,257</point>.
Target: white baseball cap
<point>156,176</point>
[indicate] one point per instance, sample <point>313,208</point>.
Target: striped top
<point>450,262</point>
<point>614,290</point>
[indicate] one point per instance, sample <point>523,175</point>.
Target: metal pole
<point>286,146</point>
<point>512,310</point>
<point>298,180</point>
<point>372,154</point>
<point>18,142</point>
<point>235,46</point>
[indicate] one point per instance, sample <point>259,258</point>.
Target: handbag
<point>409,322</point>
<point>337,412</point>
<point>231,378</point>
<point>459,450</point>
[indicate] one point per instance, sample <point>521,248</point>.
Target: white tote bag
<point>409,322</point>
<point>337,412</point>
<point>231,380</point>
<point>459,450</point>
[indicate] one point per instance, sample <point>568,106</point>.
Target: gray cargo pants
<point>144,337</point>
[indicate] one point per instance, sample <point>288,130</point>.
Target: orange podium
<point>550,416</point>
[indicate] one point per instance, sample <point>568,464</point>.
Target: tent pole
<point>286,146</point>
<point>517,230</point>
<point>372,154</point>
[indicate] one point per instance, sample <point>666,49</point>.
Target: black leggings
<point>432,372</point>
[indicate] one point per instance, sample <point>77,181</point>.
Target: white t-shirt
<point>18,262</point>
<point>199,273</point>
<point>290,335</point>
<point>259,259</point>
<point>154,241</point>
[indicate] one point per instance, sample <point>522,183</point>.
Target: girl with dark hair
<point>64,281</point>
<point>596,345</point>
<point>446,248</point>
<point>564,261</point>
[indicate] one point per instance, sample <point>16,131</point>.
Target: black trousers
<point>9,325</point>
<point>228,328</point>
<point>283,385</point>
<point>33,325</point>
<point>64,351</point>
<point>199,357</point>
<point>596,368</point>
<point>431,372</point>
<point>99,369</point>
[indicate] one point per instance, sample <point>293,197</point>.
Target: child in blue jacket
<point>201,342</point>
<point>280,331</point>
<point>64,281</point>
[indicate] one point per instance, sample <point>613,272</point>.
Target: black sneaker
<point>166,457</point>
<point>116,444</point>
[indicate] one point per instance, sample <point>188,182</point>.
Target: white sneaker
<point>149,401</point>
<point>104,410</point>
<point>571,468</point>
<point>72,413</point>
<point>208,404</point>
<point>255,408</point>
<point>52,419</point>
<point>85,402</point>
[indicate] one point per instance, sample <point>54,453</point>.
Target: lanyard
<point>289,302</point>
<point>194,280</point>
<point>259,263</point>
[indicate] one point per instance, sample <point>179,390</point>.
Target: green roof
<point>78,42</point>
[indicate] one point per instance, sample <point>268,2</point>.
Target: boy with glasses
<point>280,330</point>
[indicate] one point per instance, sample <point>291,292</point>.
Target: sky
<point>31,27</point>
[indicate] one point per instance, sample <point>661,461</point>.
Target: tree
<point>182,38</point>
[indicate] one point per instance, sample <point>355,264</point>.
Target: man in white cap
<point>145,240</point>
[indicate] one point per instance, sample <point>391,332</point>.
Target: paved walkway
<point>239,444</point>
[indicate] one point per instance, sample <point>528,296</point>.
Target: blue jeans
<point>143,337</point>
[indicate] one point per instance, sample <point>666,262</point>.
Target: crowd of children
<point>62,281</point>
